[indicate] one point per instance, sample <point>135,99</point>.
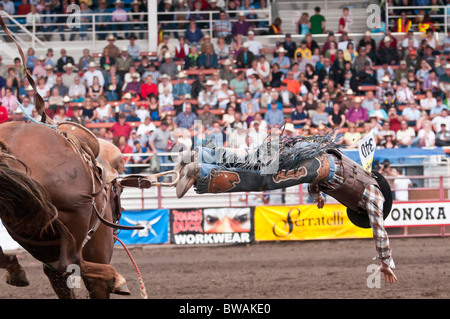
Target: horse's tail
<point>25,206</point>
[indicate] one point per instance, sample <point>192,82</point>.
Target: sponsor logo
<point>147,224</point>
<point>214,238</point>
<point>285,227</point>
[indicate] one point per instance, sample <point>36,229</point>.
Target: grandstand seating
<point>285,11</point>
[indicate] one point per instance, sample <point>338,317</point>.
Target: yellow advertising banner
<point>305,222</point>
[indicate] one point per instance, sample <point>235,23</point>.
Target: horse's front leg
<point>58,280</point>
<point>15,274</point>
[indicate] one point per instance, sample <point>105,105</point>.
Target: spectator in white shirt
<point>401,185</point>
<point>166,100</point>
<point>223,95</point>
<point>369,101</point>
<point>404,94</point>
<point>410,37</point>
<point>428,102</point>
<point>207,96</point>
<point>263,69</point>
<point>144,130</point>
<point>440,119</point>
<point>253,45</point>
<point>88,77</point>
<point>385,68</point>
<point>9,7</point>
<point>405,135</point>
<point>133,49</point>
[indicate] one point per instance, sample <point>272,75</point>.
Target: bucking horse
<point>60,200</point>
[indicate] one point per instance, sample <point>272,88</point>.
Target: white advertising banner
<point>6,242</point>
<point>366,147</point>
<point>419,214</point>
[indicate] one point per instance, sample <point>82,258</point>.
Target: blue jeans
<point>120,27</point>
<point>112,96</point>
<point>163,159</point>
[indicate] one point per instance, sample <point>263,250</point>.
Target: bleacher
<point>285,9</point>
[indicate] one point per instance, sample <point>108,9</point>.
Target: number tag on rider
<point>366,147</point>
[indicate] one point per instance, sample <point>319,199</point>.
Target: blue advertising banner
<point>155,221</point>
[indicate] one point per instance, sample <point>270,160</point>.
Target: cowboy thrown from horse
<point>314,160</point>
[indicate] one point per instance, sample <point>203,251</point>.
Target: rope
<point>32,119</point>
<point>141,282</point>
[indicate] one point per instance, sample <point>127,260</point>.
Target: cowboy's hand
<point>320,200</point>
<point>389,275</point>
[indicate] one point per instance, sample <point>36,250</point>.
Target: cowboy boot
<point>191,174</point>
<point>186,157</point>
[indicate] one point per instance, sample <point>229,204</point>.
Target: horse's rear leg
<point>58,280</point>
<point>15,275</point>
<point>77,223</point>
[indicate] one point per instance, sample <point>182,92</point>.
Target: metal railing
<point>89,28</point>
<point>208,24</point>
<point>65,27</point>
<point>15,25</point>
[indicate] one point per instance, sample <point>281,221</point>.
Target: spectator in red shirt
<point>3,114</point>
<point>122,127</point>
<point>24,8</point>
<point>148,88</point>
<point>345,21</point>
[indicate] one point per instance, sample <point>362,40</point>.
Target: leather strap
<point>39,101</point>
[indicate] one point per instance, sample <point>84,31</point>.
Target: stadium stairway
<point>288,10</point>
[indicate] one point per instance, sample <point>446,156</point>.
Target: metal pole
<point>445,23</point>
<point>300,194</point>
<point>152,17</point>
<point>93,32</point>
<point>387,15</point>
<point>33,44</point>
<point>441,188</point>
<point>210,25</point>
<point>159,196</point>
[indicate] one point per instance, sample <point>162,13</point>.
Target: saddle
<point>81,136</point>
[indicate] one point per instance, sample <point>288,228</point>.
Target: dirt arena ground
<point>288,270</point>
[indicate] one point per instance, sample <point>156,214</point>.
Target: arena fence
<point>244,225</point>
<point>419,210</point>
<point>282,222</point>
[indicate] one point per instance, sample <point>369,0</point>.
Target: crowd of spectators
<point>394,85</point>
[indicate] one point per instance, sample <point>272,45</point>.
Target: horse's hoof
<point>120,286</point>
<point>18,279</point>
<point>122,290</point>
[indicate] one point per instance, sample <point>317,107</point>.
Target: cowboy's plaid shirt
<point>372,201</point>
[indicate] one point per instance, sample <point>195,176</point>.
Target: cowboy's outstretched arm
<point>316,194</point>
<point>374,200</point>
